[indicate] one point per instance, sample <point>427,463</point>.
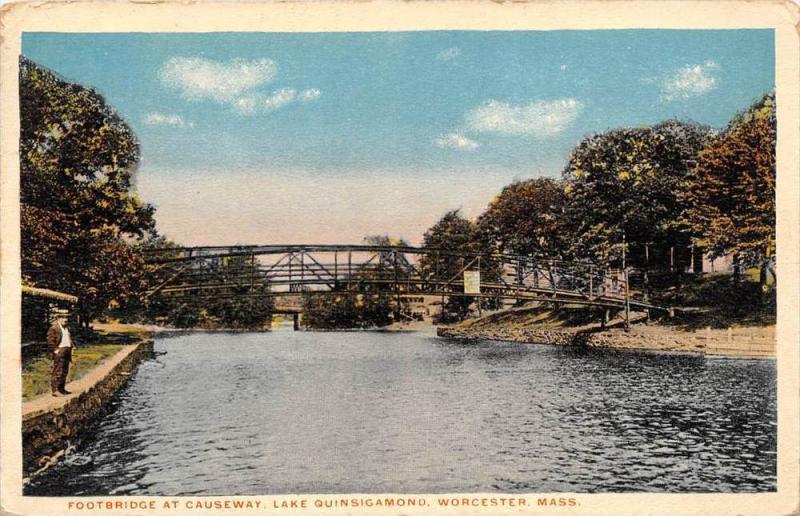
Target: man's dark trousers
<point>58,378</point>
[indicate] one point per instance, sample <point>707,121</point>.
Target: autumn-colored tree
<point>80,217</point>
<point>630,182</point>
<point>527,218</point>
<point>731,202</point>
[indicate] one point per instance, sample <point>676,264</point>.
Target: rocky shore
<point>559,328</point>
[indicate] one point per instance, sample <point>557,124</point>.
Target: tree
<point>246,303</point>
<point>527,218</point>
<point>630,182</point>
<point>371,304</point>
<point>731,202</point>
<point>365,309</point>
<point>80,217</point>
<point>450,238</point>
<point>229,292</point>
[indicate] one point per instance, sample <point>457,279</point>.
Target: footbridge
<point>285,271</point>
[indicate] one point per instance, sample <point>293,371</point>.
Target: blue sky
<point>325,137</point>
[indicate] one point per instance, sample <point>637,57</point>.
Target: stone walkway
<point>48,402</point>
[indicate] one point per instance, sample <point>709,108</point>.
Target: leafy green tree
<point>344,310</point>
<point>631,182</point>
<point>79,214</point>
<point>371,304</point>
<point>246,303</point>
<point>527,218</point>
<point>731,202</point>
<point>451,237</point>
<point>227,293</point>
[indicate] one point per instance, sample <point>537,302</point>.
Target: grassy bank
<point>709,301</point>
<point>85,357</point>
<point>36,370</point>
<point>720,317</point>
<point>716,301</point>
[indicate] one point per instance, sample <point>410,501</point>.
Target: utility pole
<point>480,312</point>
<point>396,289</point>
<point>647,271</point>
<point>625,277</point>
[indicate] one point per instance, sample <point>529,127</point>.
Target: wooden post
<point>646,273</point>
<point>672,259</point>
<point>396,288</point>
<point>252,271</point>
<point>478,299</point>
<point>625,278</point>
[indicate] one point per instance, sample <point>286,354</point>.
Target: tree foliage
<point>527,218</point>
<point>343,310</point>
<point>731,202</point>
<point>243,303</point>
<point>372,305</point>
<point>631,181</point>
<point>80,217</point>
<point>449,237</point>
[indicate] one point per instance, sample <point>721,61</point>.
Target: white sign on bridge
<point>472,282</point>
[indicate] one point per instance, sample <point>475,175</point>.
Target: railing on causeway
<point>270,270</point>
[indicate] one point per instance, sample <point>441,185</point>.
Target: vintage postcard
<point>400,258</point>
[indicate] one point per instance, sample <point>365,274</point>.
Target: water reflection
<point>294,412</point>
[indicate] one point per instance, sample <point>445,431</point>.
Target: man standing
<point>60,343</point>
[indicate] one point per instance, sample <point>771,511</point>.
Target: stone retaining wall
<point>46,434</point>
<point>740,342</point>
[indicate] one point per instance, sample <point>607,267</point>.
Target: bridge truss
<point>281,270</point>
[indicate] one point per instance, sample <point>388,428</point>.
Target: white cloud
<point>448,54</point>
<point>310,94</point>
<point>237,83</point>
<point>260,103</point>
<point>197,78</point>
<point>280,98</point>
<point>246,105</point>
<point>689,81</point>
<point>541,118</point>
<point>162,119</point>
<point>456,141</point>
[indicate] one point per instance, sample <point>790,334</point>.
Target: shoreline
<point>757,342</point>
<point>51,425</point>
<point>752,342</point>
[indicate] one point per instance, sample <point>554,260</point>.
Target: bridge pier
<point>296,321</point>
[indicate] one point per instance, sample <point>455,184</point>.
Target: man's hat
<point>57,313</point>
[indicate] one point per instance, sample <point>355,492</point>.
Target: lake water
<point>371,412</point>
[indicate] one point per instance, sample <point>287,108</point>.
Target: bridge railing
<point>396,269</point>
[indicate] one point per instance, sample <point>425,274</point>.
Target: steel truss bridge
<point>286,270</point>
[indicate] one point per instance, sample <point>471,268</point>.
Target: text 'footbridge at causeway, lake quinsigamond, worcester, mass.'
<point>287,270</point>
